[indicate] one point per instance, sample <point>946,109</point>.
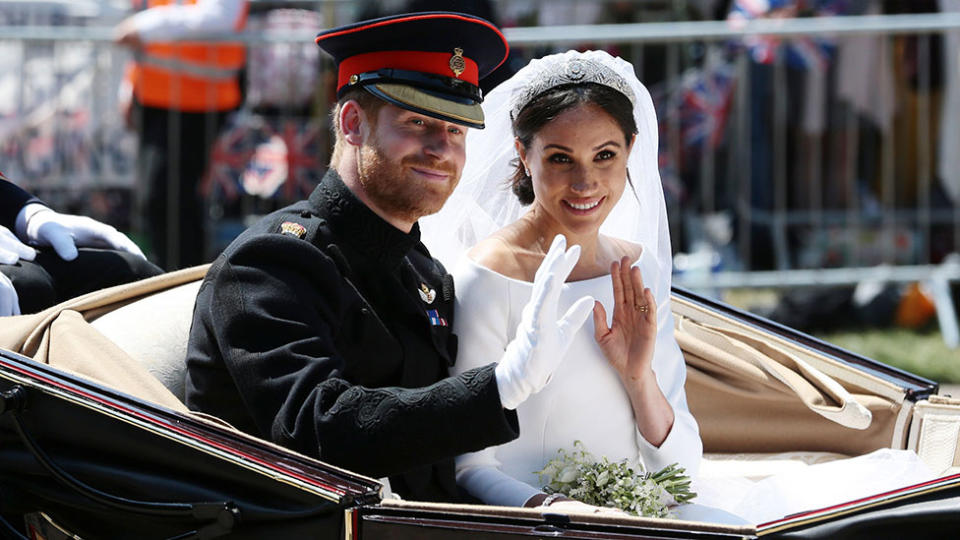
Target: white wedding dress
<point>584,399</point>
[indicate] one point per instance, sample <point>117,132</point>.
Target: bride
<point>570,150</point>
<point>576,134</point>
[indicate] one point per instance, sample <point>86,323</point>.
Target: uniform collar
<point>358,226</point>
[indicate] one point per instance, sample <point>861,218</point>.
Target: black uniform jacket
<point>327,330</point>
<point>12,200</point>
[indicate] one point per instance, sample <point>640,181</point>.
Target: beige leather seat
<point>154,331</point>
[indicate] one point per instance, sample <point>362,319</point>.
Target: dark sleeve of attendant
<point>12,200</point>
<point>278,320</point>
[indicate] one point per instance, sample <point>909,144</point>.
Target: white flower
<point>568,474</point>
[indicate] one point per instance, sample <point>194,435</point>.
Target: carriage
<point>95,441</point>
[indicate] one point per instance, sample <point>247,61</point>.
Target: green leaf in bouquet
<point>580,476</point>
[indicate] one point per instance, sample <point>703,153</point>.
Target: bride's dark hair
<point>544,108</point>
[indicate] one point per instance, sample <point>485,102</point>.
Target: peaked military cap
<point>429,62</point>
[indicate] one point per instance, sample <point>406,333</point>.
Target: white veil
<point>483,201</point>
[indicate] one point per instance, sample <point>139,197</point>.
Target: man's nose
<point>438,143</point>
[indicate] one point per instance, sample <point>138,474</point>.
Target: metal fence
<point>794,152</point>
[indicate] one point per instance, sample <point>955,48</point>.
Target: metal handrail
<point>662,32</point>
<point>780,279</point>
<point>659,32</point>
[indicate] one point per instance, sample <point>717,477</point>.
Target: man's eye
<point>455,130</point>
<point>417,121</point>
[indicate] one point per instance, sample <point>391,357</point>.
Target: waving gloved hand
<point>65,232</point>
<point>542,339</point>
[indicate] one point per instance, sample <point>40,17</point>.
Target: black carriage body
<point>103,464</point>
<point>132,470</point>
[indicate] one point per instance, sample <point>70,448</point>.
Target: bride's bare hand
<point>628,343</point>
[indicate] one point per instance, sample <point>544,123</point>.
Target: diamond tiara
<point>573,71</point>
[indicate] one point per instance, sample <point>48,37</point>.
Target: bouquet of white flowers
<point>604,483</point>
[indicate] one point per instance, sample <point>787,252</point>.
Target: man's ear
<point>352,121</point>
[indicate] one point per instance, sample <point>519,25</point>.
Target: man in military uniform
<point>326,327</point>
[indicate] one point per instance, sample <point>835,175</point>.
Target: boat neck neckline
<point>530,283</point>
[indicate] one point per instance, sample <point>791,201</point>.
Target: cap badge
<point>427,294</point>
<point>293,229</point>
<point>457,63</point>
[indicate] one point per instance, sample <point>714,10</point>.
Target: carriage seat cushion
<point>154,331</point>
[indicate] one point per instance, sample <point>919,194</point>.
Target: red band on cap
<point>437,63</point>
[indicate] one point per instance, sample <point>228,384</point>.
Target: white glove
<point>12,249</point>
<point>41,226</point>
<point>542,340</point>
<point>9,302</point>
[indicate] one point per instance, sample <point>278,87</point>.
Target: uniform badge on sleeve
<point>435,318</point>
<point>427,294</point>
<point>293,229</point>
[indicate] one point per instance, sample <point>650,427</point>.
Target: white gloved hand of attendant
<point>542,337</point>
<point>44,227</point>
<point>11,251</point>
<point>9,301</point>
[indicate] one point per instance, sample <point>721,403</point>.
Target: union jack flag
<point>800,52</point>
<point>697,107</point>
<point>266,157</point>
<point>706,95</point>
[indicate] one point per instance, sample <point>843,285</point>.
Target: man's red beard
<point>394,190</point>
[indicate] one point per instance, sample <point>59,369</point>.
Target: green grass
<point>921,352</point>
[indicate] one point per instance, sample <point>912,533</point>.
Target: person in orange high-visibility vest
<point>177,92</point>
